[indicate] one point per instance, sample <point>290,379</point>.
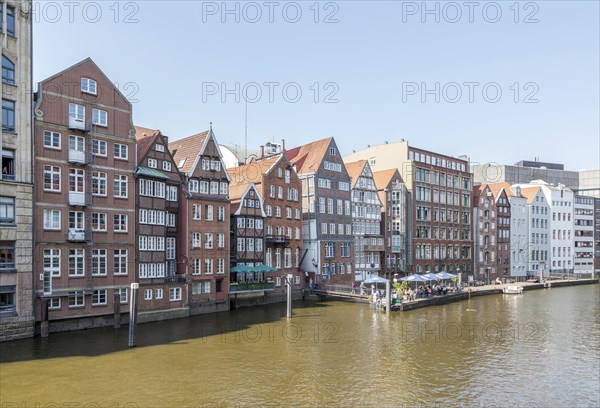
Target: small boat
<point>513,290</point>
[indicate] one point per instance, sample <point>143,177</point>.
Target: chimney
<point>282,145</point>
<point>166,139</point>
<point>262,151</point>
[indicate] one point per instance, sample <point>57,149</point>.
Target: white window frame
<point>121,151</point>
<point>55,139</point>
<point>100,117</point>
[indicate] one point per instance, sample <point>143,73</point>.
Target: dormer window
<point>181,163</point>
<point>89,86</point>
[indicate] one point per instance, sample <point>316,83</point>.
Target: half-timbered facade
<point>157,205</point>
<point>204,221</point>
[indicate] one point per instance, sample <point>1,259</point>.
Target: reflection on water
<point>539,349</point>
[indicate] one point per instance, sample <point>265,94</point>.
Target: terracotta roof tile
<point>237,191</point>
<point>355,169</point>
<point>529,193</point>
<point>383,178</point>
<point>186,150</point>
<point>308,157</point>
<point>145,138</point>
<point>252,172</point>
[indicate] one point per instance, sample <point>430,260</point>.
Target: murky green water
<point>540,349</point>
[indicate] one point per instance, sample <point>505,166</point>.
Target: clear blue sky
<point>371,59</point>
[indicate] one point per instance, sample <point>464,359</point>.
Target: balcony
<point>77,156</point>
<point>76,199</point>
<point>251,287</point>
<point>76,122</point>
<point>76,235</point>
<point>278,239</point>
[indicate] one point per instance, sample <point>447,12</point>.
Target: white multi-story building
<point>366,221</point>
<point>584,234</point>
<point>560,200</point>
<point>518,233</point>
<point>538,229</point>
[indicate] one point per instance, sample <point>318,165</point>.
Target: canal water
<point>539,349</point>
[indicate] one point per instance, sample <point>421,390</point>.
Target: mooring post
<point>388,296</point>
<point>133,314</point>
<point>289,295</point>
<point>44,317</point>
<point>117,309</point>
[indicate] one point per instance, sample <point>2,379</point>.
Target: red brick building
<point>327,218</point>
<point>85,199</point>
<point>491,232</point>
<point>203,222</point>
<point>280,189</point>
<point>158,184</point>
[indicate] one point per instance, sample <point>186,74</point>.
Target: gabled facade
<point>491,225</point>
<point>560,201</point>
<point>85,201</point>
<point>158,184</point>
<point>16,179</point>
<point>247,241</point>
<point>538,229</point>
<point>327,217</point>
<point>392,193</point>
<point>281,190</point>
<point>204,221</point>
<point>366,221</point>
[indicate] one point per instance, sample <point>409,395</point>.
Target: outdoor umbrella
<point>264,268</point>
<point>241,269</point>
<point>430,276</point>
<point>414,278</point>
<point>375,279</point>
<point>445,275</point>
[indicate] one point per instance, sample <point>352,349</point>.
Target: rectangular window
<point>197,211</point>
<point>52,219</point>
<point>214,188</point>
<point>158,294</point>
<point>76,262</point>
<point>120,222</point>
<point>99,117</point>
<point>76,180</point>
<point>172,193</point>
<point>99,147</point>
<point>224,189</point>
<point>221,213</point>
<point>208,212</point>
<point>193,186</point>
<point>8,116</point>
<point>7,255</point>
<point>196,266</point>
<point>99,297</point>
<point>120,263</point>
<point>51,139</point>
<point>51,178</point>
<point>99,183</point>
<point>76,299</point>
<point>122,294</point>
<point>208,266</point>
<point>98,261</point>
<point>120,186</point>
<point>196,240</point>
<point>52,261</point>
<point>121,152</point>
<point>99,221</point>
<point>166,166</point>
<point>208,240</point>
<point>221,240</point>
<point>148,294</point>
<point>204,187</point>
<point>174,294</point>
<point>152,163</point>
